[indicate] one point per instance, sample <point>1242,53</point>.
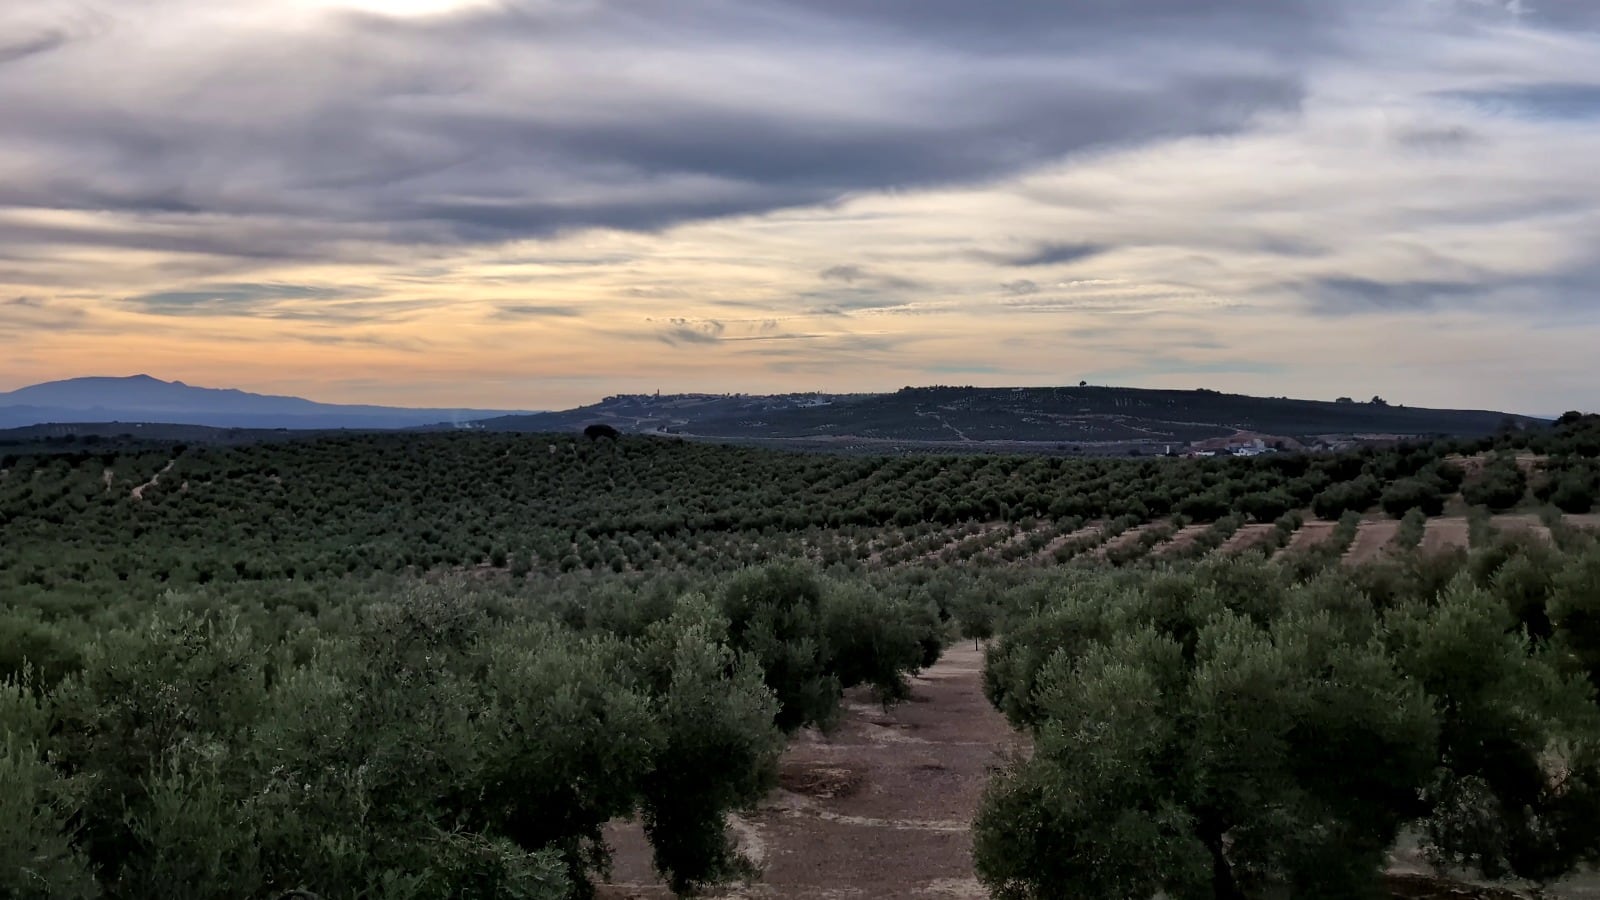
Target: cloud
<point>1345,295</point>
<point>514,311</point>
<point>342,305</point>
<point>19,315</point>
<point>1158,366</point>
<point>838,192</point>
<point>682,331</point>
<point>846,274</point>
<point>526,119</point>
<point>1054,255</point>
<point>1550,100</point>
<point>868,279</point>
<point>30,45</point>
<point>227,299</point>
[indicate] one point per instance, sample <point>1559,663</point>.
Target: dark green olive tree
<point>1220,736</point>
<point>1222,761</point>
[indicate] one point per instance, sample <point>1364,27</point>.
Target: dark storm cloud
<point>526,119</point>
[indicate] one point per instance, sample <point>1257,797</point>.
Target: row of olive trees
<point>434,743</point>
<point>1233,732</point>
<point>358,505</point>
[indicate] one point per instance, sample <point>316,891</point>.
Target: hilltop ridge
<point>978,417</point>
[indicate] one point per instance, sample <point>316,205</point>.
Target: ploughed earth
<point>881,808</point>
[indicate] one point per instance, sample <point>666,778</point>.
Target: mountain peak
<point>146,398</point>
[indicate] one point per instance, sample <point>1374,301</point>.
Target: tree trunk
<point>1223,885</point>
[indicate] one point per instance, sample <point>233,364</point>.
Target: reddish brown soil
<point>1444,534</point>
<point>1181,541</point>
<point>879,808</point>
<point>1591,520</point>
<point>1310,535</point>
<point>1527,462</point>
<point>1245,538</point>
<point>1530,524</point>
<point>1372,539</point>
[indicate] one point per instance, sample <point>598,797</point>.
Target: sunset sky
<point>536,203</point>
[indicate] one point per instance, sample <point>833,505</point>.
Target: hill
<point>1100,416</point>
<point>141,398</point>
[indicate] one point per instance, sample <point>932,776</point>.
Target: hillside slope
<point>1090,415</point>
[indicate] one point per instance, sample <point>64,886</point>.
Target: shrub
<point>1402,496</point>
<point>1499,485</point>
<point>1356,495</point>
<point>1225,736</point>
<point>1198,773</point>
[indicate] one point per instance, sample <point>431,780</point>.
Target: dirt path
<point>138,492</point>
<point>961,435</point>
<point>880,808</point>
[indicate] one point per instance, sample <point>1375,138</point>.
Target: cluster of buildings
<point>1242,444</point>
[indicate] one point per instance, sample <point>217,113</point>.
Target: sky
<point>536,203</point>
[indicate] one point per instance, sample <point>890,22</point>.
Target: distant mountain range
<point>141,398</point>
<point>1095,419</point>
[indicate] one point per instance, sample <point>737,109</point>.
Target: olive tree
<point>1244,756</point>
<point>1224,736</point>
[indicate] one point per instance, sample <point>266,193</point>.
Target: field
<point>501,665</point>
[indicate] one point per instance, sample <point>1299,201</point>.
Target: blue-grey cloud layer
<point>535,117</point>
